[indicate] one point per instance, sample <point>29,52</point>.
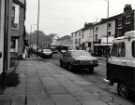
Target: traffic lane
<point>97,78</point>
<point>91,83</point>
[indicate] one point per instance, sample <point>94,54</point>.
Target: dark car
<point>78,58</point>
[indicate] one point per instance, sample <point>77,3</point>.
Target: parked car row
<point>44,53</point>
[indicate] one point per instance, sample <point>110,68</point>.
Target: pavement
<point>43,83</point>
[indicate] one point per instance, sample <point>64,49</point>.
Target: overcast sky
<point>66,16</point>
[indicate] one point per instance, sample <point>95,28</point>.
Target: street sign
<point>2,12</point>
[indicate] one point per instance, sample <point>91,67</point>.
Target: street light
<point>31,32</point>
<point>107,23</point>
<point>38,18</point>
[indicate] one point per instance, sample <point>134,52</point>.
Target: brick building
<point>17,26</point>
<point>125,21</point>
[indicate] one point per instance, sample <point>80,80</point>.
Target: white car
<point>47,53</point>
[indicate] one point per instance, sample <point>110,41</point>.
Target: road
<point>106,92</point>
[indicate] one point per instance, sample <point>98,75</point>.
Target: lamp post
<point>38,19</point>
<point>107,24</point>
<point>31,32</point>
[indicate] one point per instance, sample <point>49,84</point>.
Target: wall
<point>1,33</point>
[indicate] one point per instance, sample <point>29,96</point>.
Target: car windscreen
<point>46,50</point>
<point>80,53</point>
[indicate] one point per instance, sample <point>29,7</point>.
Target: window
<point>133,48</point>
<point>109,33</point>
<point>128,20</point>
<point>109,25</point>
<point>120,22</point>
<point>79,33</point>
<point>114,50</point>
<point>96,29</point>
<point>118,49</point>
<point>75,34</point>
<point>96,37</point>
<point>121,52</point>
<point>15,16</point>
<point>119,32</point>
<point>79,41</point>
<point>75,41</point>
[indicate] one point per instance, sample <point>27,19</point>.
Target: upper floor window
<point>15,16</point>
<point>96,37</point>
<point>109,33</point>
<point>97,29</point>
<point>72,36</point>
<point>79,33</point>
<point>109,25</point>
<point>119,32</point>
<point>128,19</point>
<point>75,41</point>
<point>119,21</point>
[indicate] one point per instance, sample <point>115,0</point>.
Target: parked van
<point>121,64</point>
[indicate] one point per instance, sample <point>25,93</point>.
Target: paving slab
<point>64,99</point>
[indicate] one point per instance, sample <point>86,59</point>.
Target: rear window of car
<point>133,48</point>
<point>46,50</point>
<point>80,53</point>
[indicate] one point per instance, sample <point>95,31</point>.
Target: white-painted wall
<point>102,32</point>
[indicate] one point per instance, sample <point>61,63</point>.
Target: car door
<point>1,33</point>
<point>66,58</point>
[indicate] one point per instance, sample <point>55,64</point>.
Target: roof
<point>65,37</point>
<point>114,17</point>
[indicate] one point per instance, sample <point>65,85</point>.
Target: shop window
<point>15,16</point>
<point>133,48</point>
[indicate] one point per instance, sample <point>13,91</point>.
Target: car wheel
<point>122,90</point>
<point>70,67</point>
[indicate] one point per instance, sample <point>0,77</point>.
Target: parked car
<point>55,51</point>
<point>78,58</point>
<point>47,53</point>
<point>121,64</point>
<point>62,51</point>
